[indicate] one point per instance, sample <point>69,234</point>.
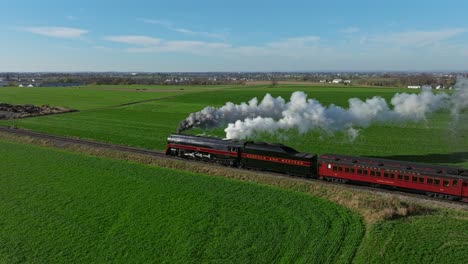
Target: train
<point>432,180</point>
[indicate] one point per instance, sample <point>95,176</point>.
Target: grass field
<point>438,238</point>
<point>147,124</point>
<point>59,207</point>
<point>94,96</point>
<point>65,207</point>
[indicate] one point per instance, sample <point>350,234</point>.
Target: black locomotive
<point>244,154</point>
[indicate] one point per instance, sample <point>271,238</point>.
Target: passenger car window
<point>377,173</point>
<point>406,177</point>
<point>351,170</point>
<point>446,183</point>
<point>359,171</point>
<point>454,183</point>
<point>334,168</point>
<point>436,181</point>
<point>415,178</point>
<point>430,180</point>
<point>421,179</point>
<point>400,177</point>
<point>372,173</point>
<point>392,176</point>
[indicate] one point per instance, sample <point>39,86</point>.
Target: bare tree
<point>274,82</point>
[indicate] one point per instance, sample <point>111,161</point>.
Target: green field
<point>148,124</point>
<point>59,207</point>
<point>62,207</point>
<point>438,238</point>
<point>95,96</point>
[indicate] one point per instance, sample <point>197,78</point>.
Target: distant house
<point>323,81</point>
<point>337,81</point>
<point>347,81</point>
<point>440,87</point>
<point>60,84</point>
<point>426,87</point>
<point>414,87</point>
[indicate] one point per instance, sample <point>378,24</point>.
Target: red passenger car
<point>435,181</point>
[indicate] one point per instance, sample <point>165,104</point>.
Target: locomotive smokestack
<point>181,128</point>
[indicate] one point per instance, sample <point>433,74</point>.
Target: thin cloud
<point>146,44</point>
<point>165,23</point>
<point>350,30</point>
<point>169,25</point>
<point>417,38</point>
<point>313,52</point>
<point>103,48</point>
<point>292,47</point>
<point>192,47</point>
<point>134,40</point>
<point>57,32</point>
<point>295,42</point>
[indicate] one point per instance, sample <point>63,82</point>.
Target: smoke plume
<point>211,117</point>
<point>460,97</point>
<point>304,114</point>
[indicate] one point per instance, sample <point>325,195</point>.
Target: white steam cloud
<point>211,117</point>
<point>460,97</point>
<point>304,114</point>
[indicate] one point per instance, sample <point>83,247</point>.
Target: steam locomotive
<point>435,181</point>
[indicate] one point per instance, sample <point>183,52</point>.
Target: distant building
<point>337,81</point>
<point>26,85</point>
<point>426,87</point>
<point>60,84</point>
<point>323,81</point>
<point>440,87</point>
<point>3,82</point>
<point>347,81</point>
<point>414,87</point>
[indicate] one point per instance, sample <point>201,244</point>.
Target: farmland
<point>438,238</point>
<point>76,208</point>
<point>147,124</point>
<point>71,208</point>
<point>95,96</point>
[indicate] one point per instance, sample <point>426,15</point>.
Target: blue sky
<point>233,36</point>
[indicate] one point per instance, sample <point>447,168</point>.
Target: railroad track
<point>155,153</point>
<point>82,142</point>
